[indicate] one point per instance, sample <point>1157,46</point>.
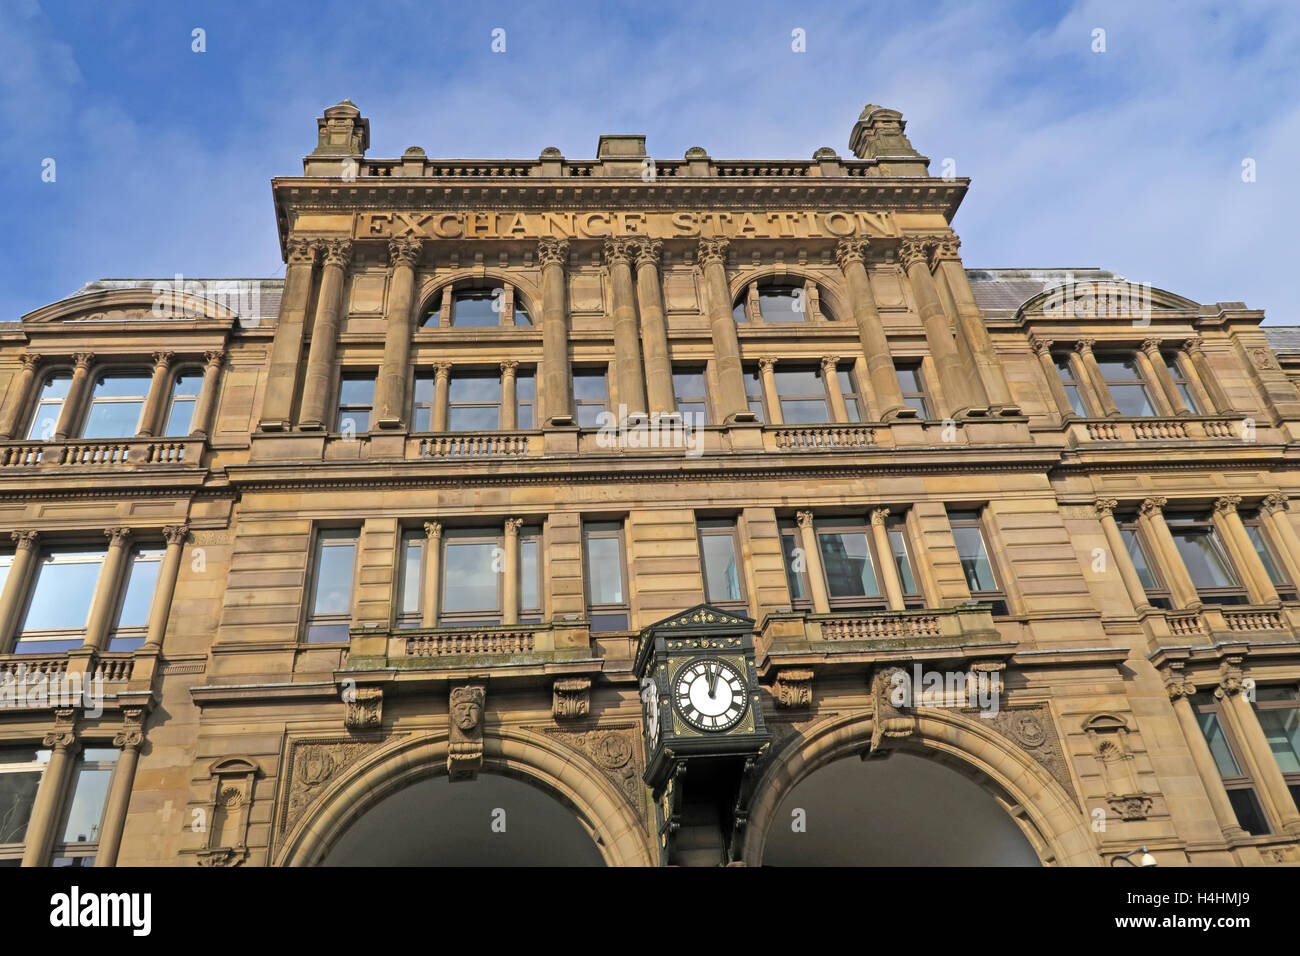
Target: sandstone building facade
<point>408,522</point>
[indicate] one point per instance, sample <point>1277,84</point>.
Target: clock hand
<point>714,673</point>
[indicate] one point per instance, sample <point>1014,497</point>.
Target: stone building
<point>583,511</point>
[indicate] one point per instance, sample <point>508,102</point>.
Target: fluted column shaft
<point>100,618</point>
<point>391,389</point>
<point>20,395</point>
<point>888,571</point>
<point>886,392</point>
<point>286,348</point>
<point>72,405</point>
<point>1119,553</point>
<point>628,368</point>
<point>726,344</point>
<point>556,375</point>
<point>914,254</point>
<point>314,414</point>
<point>161,605</point>
<point>813,561</point>
<point>26,545</point>
<point>206,407</point>
<point>654,329</point>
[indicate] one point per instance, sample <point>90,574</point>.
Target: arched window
<point>477,303</point>
<point>49,405</point>
<point>185,395</point>
<point>781,300</point>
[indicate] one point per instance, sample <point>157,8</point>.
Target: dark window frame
<point>600,528</point>
<point>921,401</point>
<point>330,620</point>
<point>1183,522</point>
<point>723,528</point>
<point>1158,595</point>
<point>967,517</point>
<point>356,373</point>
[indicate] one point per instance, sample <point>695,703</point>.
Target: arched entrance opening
<point>906,810</point>
<point>490,821</point>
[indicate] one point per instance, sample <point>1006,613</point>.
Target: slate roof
<point>262,308</point>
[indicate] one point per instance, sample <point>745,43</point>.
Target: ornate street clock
<point>702,721</point>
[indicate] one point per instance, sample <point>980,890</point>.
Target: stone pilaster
<point>390,397</point>
<point>432,573</point>
<point>314,414</point>
<point>554,255</point>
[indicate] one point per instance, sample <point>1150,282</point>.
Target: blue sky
<point>1129,159</point>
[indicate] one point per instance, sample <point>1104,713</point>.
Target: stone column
<point>554,391</point>
<point>155,403</point>
<point>100,619</point>
<point>161,605</point>
<point>390,396</point>
<point>1092,373</point>
<point>1160,372</point>
<point>43,825</point>
<point>1274,514</point>
<point>20,395</point>
<point>1152,518</point>
<point>1159,399</point>
<point>72,405</point>
<point>441,391</point>
<point>129,740</point>
<point>767,375</point>
<point>830,368</point>
<point>432,576</point>
<point>1180,693</point>
<point>851,255</point>
<point>914,253</point>
<point>509,397</point>
<point>654,329</point>
<point>1242,551</point>
<point>726,344</point>
<point>813,560</point>
<point>12,598</point>
<point>1043,349</point>
<point>628,367</point>
<point>1257,753</point>
<point>206,407</point>
<point>1221,405</point>
<point>975,334</point>
<point>286,349</point>
<point>1119,553</point>
<point>888,571</point>
<point>510,593</point>
<point>314,410</point>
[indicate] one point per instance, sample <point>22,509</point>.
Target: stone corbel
<point>1231,676</point>
<point>890,723</point>
<point>793,688</point>
<point>571,698</point>
<point>1176,683</point>
<point>365,708</point>
<point>465,739</point>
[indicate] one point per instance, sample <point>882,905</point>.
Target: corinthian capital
<point>1274,502</point>
<point>117,536</point>
<point>1041,346</point>
<point>851,250</point>
<point>1193,344</point>
<point>1154,506</point>
<point>176,533</point>
<point>404,251</point>
<point>649,252</point>
<point>552,252</point>
<point>1227,504</point>
<point>946,247</point>
<point>1106,507</point>
<point>25,540</point>
<point>713,250</point>
<point>1084,345</point>
<point>338,252</point>
<point>915,249</point>
<point>620,250</point>
<point>301,251</point>
<point>30,360</point>
<point>804,519</point>
<point>82,359</point>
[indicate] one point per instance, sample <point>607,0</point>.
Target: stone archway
<point>1047,815</point>
<point>563,774</point>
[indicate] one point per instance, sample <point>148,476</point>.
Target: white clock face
<point>710,694</point>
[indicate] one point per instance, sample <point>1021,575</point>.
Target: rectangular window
<point>720,556</point>
<point>525,400</point>
<point>1156,592</point>
<point>116,406</point>
<point>607,605</point>
<point>356,402</point>
<point>1268,557</point>
<point>1070,382</point>
<point>54,391</point>
<point>590,396</point>
<point>1127,387</point>
<point>974,557</point>
<point>796,566</point>
<point>185,395</point>
<point>530,576</point>
<point>754,391</point>
<point>83,815</point>
<point>137,597</point>
<point>410,596</point>
<point>691,394</point>
<point>1206,559</point>
<point>897,528</point>
<point>913,388</point>
<point>20,777</point>
<point>334,573</point>
<point>848,564</point>
<point>1278,709</point>
<point>472,562</point>
<point>60,602</point>
<point>422,415</point>
<point>474,402</point>
<point>1240,787</point>
<point>853,400</point>
<point>1182,383</point>
<point>802,395</point>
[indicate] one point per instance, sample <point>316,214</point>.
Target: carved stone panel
<point>465,749</point>
<point>1032,730</point>
<point>616,750</point>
